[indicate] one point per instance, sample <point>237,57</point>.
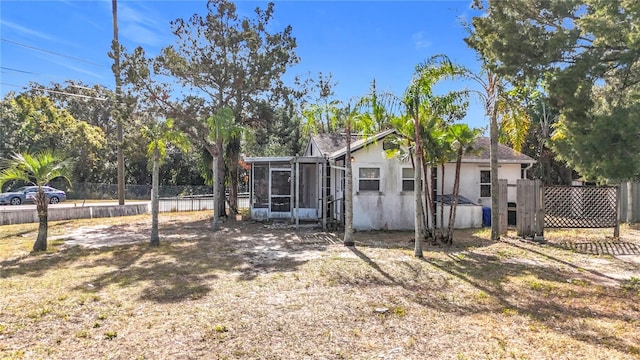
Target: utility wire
<point>17,70</point>
<point>52,52</point>
<point>57,92</point>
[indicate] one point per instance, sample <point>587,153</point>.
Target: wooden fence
<point>630,202</point>
<point>530,208</point>
<point>541,207</point>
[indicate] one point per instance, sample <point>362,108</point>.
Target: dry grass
<point>255,292</point>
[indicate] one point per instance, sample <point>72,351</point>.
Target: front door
<point>280,193</point>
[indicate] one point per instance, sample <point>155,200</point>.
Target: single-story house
<point>382,186</point>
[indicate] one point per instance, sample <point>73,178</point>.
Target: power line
<point>57,92</point>
<point>52,52</point>
<point>17,70</point>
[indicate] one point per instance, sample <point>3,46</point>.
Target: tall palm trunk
<point>42,204</point>
<point>429,203</point>
<point>234,157</point>
<point>441,232</point>
<point>348,192</point>
<point>155,201</point>
<point>454,199</point>
<point>417,191</point>
<point>216,184</point>
<point>493,135</point>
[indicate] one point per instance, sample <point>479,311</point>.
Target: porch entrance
<point>287,188</point>
<point>280,193</point>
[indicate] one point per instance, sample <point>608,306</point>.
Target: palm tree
<point>463,139</point>
<point>423,108</point>
<point>161,135</point>
<point>500,106</point>
<point>37,169</point>
<point>223,128</point>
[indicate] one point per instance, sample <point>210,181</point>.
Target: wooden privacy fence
<point>630,202</point>
<point>530,208</point>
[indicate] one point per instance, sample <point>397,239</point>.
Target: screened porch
<point>287,187</point>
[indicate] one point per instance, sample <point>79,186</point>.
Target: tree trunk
<point>42,204</point>
<point>216,195</point>
<point>419,217</point>
<point>428,209</point>
<point>222,190</point>
<point>454,199</point>
<point>155,202</point>
<point>493,134</point>
<point>348,192</point>
<point>234,158</point>
<point>441,233</point>
<point>417,192</point>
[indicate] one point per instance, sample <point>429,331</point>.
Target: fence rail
<point>196,203</point>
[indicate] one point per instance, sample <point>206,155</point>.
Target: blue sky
<point>355,41</point>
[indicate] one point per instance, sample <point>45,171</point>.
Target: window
<point>369,179</point>
<point>408,179</point>
<point>390,145</point>
<point>485,183</point>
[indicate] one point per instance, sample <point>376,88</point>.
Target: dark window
<point>369,179</point>
<point>260,186</point>
<point>485,183</point>
<point>408,179</point>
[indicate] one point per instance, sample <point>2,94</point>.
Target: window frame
<point>485,184</point>
<point>403,179</point>
<point>378,179</point>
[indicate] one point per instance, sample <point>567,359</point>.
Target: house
<point>382,186</point>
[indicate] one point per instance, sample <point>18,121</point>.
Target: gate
<point>530,208</point>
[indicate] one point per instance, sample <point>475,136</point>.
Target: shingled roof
<point>329,143</point>
<point>505,153</point>
<point>335,144</point>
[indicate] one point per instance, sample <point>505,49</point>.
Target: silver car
<point>26,193</point>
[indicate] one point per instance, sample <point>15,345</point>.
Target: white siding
<point>470,180</point>
<point>392,209</point>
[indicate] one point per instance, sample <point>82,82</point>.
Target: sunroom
<point>287,187</point>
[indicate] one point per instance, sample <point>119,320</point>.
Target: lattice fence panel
<point>580,207</point>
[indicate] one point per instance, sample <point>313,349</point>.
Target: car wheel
<point>54,200</point>
<point>15,201</point>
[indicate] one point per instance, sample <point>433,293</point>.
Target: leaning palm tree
<point>463,139</point>
<point>36,169</point>
<point>161,134</point>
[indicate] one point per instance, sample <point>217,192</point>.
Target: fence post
<point>523,214</point>
<point>502,207</point>
<point>539,207</point>
<point>616,229</point>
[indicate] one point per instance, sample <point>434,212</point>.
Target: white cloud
<point>420,41</point>
<point>26,31</point>
<point>141,35</point>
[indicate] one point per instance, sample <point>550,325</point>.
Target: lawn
<point>255,291</point>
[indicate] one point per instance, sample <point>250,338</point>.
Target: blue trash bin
<point>486,216</point>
